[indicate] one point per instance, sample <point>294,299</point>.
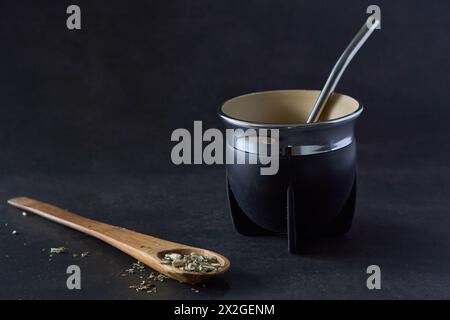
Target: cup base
<point>298,242</point>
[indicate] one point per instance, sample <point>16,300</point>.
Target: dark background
<point>86,118</point>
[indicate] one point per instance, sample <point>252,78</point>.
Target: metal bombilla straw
<point>339,68</point>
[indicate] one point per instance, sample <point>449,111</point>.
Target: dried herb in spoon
<point>192,262</point>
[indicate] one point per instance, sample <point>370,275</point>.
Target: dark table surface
<point>86,123</point>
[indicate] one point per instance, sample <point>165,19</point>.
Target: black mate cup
<point>312,195</point>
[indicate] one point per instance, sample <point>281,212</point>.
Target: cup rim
<point>251,124</point>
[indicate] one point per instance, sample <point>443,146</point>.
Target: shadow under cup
<point>313,193</point>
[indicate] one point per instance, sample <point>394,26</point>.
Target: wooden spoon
<point>144,248</point>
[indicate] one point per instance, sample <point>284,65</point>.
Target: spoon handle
<point>339,68</point>
<point>126,240</point>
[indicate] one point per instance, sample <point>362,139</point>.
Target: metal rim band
<point>302,150</point>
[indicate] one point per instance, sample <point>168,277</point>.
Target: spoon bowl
<point>190,276</point>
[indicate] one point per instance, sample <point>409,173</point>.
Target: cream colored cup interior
<point>286,106</point>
